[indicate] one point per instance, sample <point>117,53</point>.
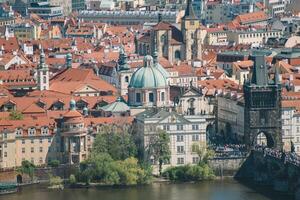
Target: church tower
<point>43,73</point>
<point>124,72</point>
<point>190,27</point>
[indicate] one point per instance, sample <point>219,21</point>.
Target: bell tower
<point>43,73</point>
<point>190,27</point>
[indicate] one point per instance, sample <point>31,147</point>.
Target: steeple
<point>122,61</point>
<point>189,11</point>
<point>42,72</point>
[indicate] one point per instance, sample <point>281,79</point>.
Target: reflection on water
<point>213,190</point>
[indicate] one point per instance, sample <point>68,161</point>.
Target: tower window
<point>126,79</point>
<point>151,97</point>
<point>162,96</point>
<point>138,97</point>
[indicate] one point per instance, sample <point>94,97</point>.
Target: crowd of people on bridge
<point>287,157</point>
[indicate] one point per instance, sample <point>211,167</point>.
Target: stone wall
<point>226,166</point>
<point>41,174</point>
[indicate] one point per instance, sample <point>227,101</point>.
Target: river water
<point>212,190</point>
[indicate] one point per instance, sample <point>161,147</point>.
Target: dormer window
<point>19,131</point>
<point>31,131</point>
<point>44,130</point>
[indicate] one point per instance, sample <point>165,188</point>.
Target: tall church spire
<point>189,11</point>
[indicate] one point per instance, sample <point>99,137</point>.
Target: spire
<point>189,11</point>
<point>122,61</point>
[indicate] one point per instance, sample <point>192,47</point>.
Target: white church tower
<point>43,73</point>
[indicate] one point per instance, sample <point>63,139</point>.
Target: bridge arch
<point>264,139</point>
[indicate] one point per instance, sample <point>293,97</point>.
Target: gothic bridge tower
<point>262,106</point>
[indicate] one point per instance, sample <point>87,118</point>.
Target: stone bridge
<point>268,167</point>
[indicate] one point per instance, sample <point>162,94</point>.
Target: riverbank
<point>209,190</point>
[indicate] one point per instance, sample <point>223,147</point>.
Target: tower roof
<point>260,71</point>
<point>189,11</point>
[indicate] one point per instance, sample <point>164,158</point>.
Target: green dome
<point>148,76</point>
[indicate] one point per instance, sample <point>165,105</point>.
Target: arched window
<point>126,79</point>
<point>177,55</point>
<point>163,39</point>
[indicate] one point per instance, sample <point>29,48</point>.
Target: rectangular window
<point>32,149</point>
<point>180,149</point>
<point>41,140</point>
<point>23,141</point>
<point>138,97</point>
<point>179,127</point>
<point>195,127</point>
<point>23,150</point>
<point>41,149</point>
<point>195,160</point>
<point>32,141</point>
<point>166,127</point>
<point>179,138</point>
<point>49,140</point>
<point>5,154</point>
<point>195,137</point>
<point>41,160</point>
<point>180,161</point>
<point>5,145</point>
<point>151,97</point>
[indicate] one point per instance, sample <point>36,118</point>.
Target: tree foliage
<point>119,144</point>
<point>103,169</point>
<point>159,149</point>
<point>54,163</point>
<point>189,173</point>
<point>15,115</point>
<point>204,154</point>
<point>27,168</point>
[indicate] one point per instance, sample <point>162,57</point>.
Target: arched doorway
<point>19,179</point>
<point>264,139</point>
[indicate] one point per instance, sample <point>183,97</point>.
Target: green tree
<point>103,169</point>
<point>119,144</point>
<point>27,168</point>
<point>15,115</point>
<point>53,163</point>
<point>72,179</point>
<point>202,151</point>
<point>159,149</point>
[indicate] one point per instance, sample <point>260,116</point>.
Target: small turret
<point>72,104</point>
<point>69,60</point>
